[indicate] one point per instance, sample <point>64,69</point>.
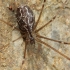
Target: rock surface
<point>39,57</point>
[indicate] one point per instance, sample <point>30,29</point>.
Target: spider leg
<point>9,24</point>
<point>51,39</point>
<point>6,22</point>
<point>4,47</point>
<point>24,55</point>
<point>45,25</point>
<point>17,38</point>
<point>39,16</point>
<point>53,48</point>
<point>13,29</point>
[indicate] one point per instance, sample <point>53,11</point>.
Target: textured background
<point>11,56</point>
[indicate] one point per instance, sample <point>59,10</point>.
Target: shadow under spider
<point>38,39</point>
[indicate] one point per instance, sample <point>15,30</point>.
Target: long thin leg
<point>53,48</point>
<point>6,22</point>
<point>45,25</point>
<point>24,55</point>
<point>24,52</point>
<point>13,29</point>
<point>17,38</point>
<point>9,24</point>
<point>51,39</point>
<point>39,16</point>
<point>4,47</point>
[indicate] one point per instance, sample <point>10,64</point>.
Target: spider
<point>27,28</point>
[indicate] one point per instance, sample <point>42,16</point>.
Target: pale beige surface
<point>11,57</point>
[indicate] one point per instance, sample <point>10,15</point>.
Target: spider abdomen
<point>26,21</point>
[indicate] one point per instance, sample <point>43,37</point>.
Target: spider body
<point>26,21</point>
